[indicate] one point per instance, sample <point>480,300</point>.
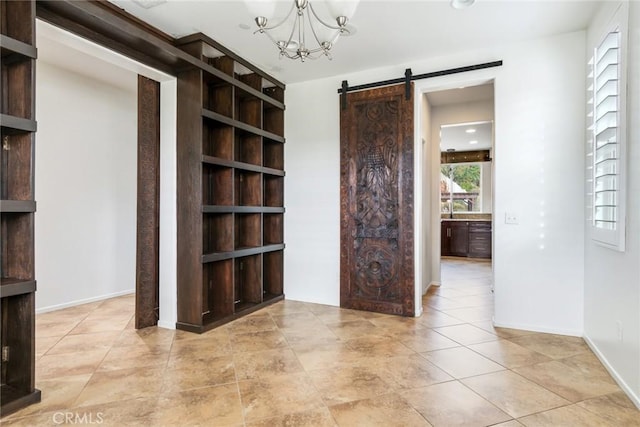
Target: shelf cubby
<point>273,228</point>
<point>217,185</point>
<point>218,283</point>
<point>17,252</point>
<point>248,281</point>
<point>247,231</point>
<point>275,92</point>
<point>248,188</point>
<point>273,154</point>
<point>13,23</point>
<point>16,175</point>
<point>248,148</point>
<point>217,232</point>
<point>273,274</point>
<point>218,95</point>
<point>249,107</point>
<point>217,139</point>
<point>273,119</point>
<point>17,78</point>
<point>17,373</point>
<point>273,190</point>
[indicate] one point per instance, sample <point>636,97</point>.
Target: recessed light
<point>473,142</point>
<point>470,130</point>
<point>244,26</point>
<point>462,4</point>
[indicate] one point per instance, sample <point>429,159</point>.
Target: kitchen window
<point>461,187</point>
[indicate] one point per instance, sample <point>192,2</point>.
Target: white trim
<point>84,301</point>
<point>533,328</point>
<point>617,377</point>
<point>418,241</point>
<point>168,250</point>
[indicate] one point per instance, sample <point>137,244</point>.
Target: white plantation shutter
<point>605,142</point>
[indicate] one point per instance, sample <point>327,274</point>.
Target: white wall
<point>539,147</point>
<point>612,279</point>
<point>539,143</point>
<point>86,155</point>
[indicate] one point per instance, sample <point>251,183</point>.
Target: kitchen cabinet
<point>466,238</point>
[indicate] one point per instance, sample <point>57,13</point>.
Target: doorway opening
<point>458,199</point>
<point>93,143</point>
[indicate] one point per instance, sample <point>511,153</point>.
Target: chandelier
<point>296,43</point>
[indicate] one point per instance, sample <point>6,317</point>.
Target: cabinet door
<point>459,244</point>
<point>445,239</point>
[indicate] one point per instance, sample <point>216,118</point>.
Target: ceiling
<point>461,95</point>
<point>460,137</point>
<point>386,32</point>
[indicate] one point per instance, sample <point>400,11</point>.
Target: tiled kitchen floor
<point>299,364</point>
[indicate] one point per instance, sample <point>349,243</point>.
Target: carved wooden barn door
<point>376,201</point>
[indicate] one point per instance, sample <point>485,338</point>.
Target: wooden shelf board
<point>238,253</point>
<point>238,124</point>
<point>273,248</point>
<point>218,321</point>
<point>212,160</point>
<point>271,171</point>
<point>17,124</point>
<point>10,286</point>
<point>241,209</point>
<point>17,206</point>
<point>13,399</point>
<point>11,46</point>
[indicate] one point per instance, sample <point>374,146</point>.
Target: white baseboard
<point>431,284</point>
<point>622,383</point>
<point>166,325</point>
<point>535,328</point>
<point>83,301</point>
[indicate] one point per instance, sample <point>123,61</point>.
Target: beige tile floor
<point>299,364</point>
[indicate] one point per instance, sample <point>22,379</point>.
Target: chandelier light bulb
<point>261,21</point>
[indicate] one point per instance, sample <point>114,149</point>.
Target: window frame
<point>613,239</point>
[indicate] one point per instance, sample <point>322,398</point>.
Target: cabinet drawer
<point>478,250</point>
<point>480,247</point>
<point>480,227</point>
<point>479,237</point>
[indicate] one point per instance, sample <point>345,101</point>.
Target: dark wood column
<point>148,214</point>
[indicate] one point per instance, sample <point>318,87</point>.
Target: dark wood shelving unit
<point>17,206</point>
<point>230,187</point>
